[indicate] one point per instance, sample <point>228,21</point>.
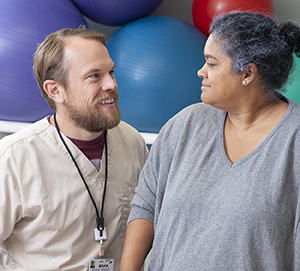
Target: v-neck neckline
<point>258,148</point>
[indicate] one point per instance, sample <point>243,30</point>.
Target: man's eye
<point>94,75</point>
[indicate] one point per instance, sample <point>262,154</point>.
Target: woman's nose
<point>201,72</point>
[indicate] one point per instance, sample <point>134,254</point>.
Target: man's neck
<point>69,129</point>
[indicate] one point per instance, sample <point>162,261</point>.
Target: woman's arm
<point>138,242</point>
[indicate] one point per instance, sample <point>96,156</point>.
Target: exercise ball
<point>203,11</point>
<point>24,24</point>
<point>293,86</point>
<point>116,12</point>
<point>157,59</point>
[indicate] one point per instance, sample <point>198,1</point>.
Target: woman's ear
<point>54,90</point>
<point>249,74</point>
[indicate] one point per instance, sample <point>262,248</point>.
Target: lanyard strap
<point>99,219</point>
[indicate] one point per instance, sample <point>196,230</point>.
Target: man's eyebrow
<point>96,70</point>
<point>90,71</point>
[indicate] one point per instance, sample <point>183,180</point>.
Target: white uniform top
<point>47,218</point>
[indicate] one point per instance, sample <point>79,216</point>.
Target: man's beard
<point>94,120</point>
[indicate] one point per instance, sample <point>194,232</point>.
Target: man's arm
<point>138,242</point>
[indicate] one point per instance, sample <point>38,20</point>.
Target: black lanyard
<point>99,219</point>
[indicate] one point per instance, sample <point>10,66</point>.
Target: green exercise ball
<point>293,86</point>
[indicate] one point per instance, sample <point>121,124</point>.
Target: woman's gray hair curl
<point>248,37</point>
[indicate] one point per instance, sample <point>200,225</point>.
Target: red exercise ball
<point>203,11</point>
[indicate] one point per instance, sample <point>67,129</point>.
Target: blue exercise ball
<point>157,59</point>
<point>116,12</point>
<point>293,85</point>
<point>24,24</point>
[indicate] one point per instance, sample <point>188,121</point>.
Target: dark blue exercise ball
<point>116,12</point>
<point>24,24</point>
<point>157,59</point>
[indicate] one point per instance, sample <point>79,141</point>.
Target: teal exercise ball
<point>293,86</point>
<point>157,59</point>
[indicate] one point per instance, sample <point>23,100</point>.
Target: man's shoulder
<point>127,135</point>
<point>19,137</point>
<point>126,130</point>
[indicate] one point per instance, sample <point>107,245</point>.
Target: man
<point>68,179</point>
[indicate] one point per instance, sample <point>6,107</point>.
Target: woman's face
<point>220,86</point>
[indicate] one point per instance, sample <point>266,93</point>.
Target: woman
<point>220,189</point>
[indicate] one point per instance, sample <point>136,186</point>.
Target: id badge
<point>101,265</point>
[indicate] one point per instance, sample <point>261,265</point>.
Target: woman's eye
<point>210,64</point>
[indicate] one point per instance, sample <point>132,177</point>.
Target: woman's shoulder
<point>199,111</point>
<point>192,119</point>
<point>293,112</point>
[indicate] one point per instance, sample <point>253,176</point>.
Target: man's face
<point>91,97</point>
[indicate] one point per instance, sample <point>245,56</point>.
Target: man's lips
<point>107,101</point>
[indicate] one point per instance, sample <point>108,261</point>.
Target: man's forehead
<point>82,55</point>
<point>78,42</point>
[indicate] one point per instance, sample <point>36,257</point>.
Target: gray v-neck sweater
<point>211,214</point>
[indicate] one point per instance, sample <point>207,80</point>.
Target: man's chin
<point>112,125</point>
<point>107,124</point>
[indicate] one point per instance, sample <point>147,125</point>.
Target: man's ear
<point>54,90</point>
<point>250,73</point>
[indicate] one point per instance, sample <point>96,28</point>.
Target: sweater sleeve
<point>295,265</point>
<point>147,201</point>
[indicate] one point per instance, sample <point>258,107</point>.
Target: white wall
<point>287,9</point>
<point>3,134</point>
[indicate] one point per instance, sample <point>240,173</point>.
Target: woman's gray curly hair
<point>249,37</point>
